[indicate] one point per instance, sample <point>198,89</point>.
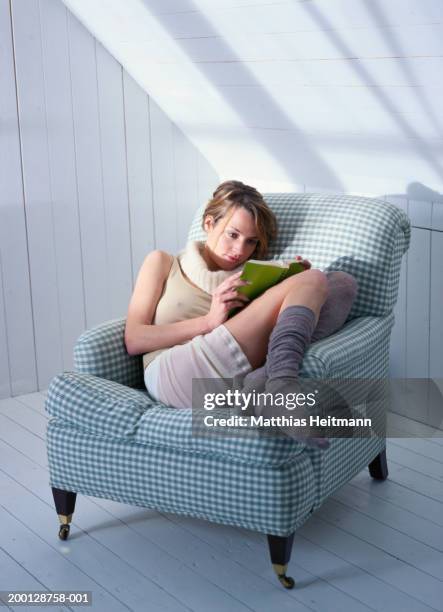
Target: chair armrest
<point>101,351</point>
<point>359,350</point>
<point>99,406</point>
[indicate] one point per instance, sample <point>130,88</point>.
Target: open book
<point>265,274</point>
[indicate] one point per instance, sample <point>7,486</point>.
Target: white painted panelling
<point>138,157</point>
<point>84,207</point>
<point>420,213</point>
<point>398,335</point>
<point>437,216</point>
<point>39,202</point>
<point>287,18</point>
<point>5,383</point>
<point>165,204</point>
<point>392,74</point>
<point>207,179</point>
<point>287,14</point>
<point>89,171</point>
<point>115,186</point>
<point>334,96</point>
<point>436,298</point>
<point>418,307</point>
<point>186,184</point>
<point>342,112</point>
<point>60,138</point>
<point>17,355</point>
<point>312,45</point>
<point>227,70</point>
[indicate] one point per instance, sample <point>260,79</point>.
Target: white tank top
<point>180,300</point>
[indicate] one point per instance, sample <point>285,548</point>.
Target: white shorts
<point>168,378</point>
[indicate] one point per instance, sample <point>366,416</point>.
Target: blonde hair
<point>234,194</point>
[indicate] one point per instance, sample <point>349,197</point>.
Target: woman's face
<point>231,241</point>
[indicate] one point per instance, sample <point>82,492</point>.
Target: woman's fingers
<point>236,284</point>
<point>304,262</point>
<point>231,283</point>
<point>236,304</point>
<point>239,282</point>
<point>234,295</point>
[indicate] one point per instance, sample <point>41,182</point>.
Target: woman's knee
<point>309,288</point>
<point>316,279</point>
<point>342,283</point>
<point>313,283</point>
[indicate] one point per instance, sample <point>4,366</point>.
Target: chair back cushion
<point>363,236</point>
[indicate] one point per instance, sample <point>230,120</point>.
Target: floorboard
<point>371,546</point>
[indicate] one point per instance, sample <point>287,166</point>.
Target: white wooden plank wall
<point>95,175</point>
<point>337,94</point>
<point>17,352</point>
<point>91,171</point>
<point>417,337</point>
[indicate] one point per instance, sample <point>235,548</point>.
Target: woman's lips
<point>233,259</point>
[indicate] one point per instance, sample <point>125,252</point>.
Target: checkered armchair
<point>108,438</point>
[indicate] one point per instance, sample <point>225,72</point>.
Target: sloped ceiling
<point>341,95</point>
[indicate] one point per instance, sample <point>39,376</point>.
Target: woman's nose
<point>240,249</point>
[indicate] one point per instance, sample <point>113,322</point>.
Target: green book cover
<point>265,274</point>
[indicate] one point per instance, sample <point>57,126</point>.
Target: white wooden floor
<point>372,546</point>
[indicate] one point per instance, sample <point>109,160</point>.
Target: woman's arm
<point>140,335</point>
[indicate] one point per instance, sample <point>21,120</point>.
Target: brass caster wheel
<point>63,532</point>
<point>287,581</point>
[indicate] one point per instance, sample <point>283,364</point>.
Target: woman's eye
<point>232,235</point>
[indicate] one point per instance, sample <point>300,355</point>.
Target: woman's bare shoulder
<point>147,291</point>
<point>158,260</point>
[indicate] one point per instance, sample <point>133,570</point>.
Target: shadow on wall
<point>300,160</point>
<point>418,191</point>
<point>293,150</point>
<point>397,51</point>
<point>365,76</point>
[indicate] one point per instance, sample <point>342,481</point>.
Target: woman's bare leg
<point>252,326</point>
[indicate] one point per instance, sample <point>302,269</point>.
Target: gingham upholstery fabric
<point>104,410</point>
<point>344,459</point>
<point>359,350</point>
<point>108,440</point>
<point>109,409</point>
<point>202,485</point>
<point>362,236</point>
<point>362,353</point>
<point>101,351</point>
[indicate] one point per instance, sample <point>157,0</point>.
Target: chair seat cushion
<point>203,485</point>
<point>108,409</point>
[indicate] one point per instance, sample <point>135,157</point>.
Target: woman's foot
<point>296,398</point>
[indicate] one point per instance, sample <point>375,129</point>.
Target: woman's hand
<point>304,262</point>
<point>224,299</point>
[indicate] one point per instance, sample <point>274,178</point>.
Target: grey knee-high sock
<point>287,345</point>
<point>288,341</point>
<point>342,291</point>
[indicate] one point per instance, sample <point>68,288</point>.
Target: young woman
<point>178,313</point>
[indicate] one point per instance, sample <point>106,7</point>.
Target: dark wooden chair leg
<point>378,468</point>
<point>64,504</point>
<point>280,548</point>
